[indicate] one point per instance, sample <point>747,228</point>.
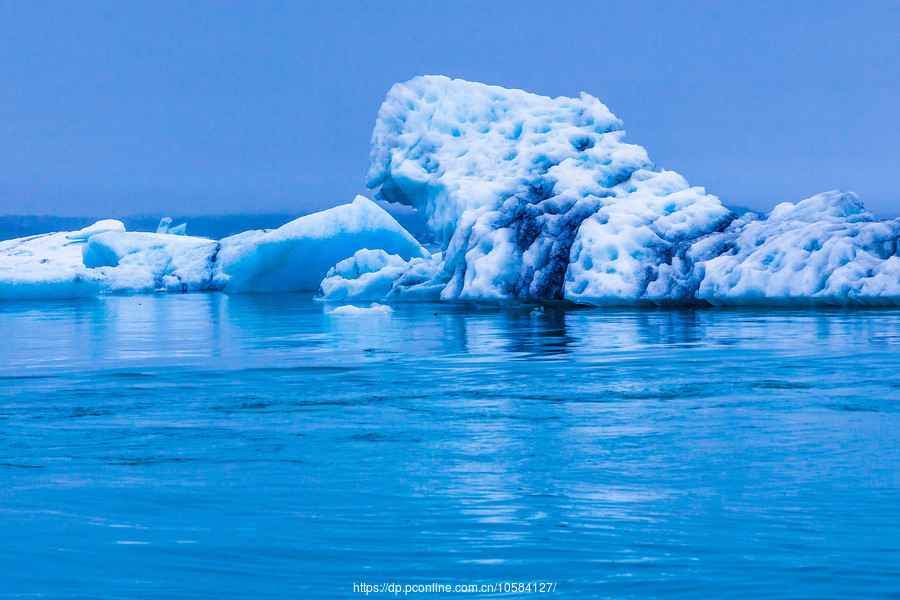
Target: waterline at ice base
<point>528,198</point>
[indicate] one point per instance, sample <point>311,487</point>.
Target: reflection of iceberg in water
<point>525,332</point>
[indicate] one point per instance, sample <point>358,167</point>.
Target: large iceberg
<point>529,196</point>
<point>106,258</point>
<point>541,198</point>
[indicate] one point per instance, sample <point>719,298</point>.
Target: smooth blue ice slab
<point>296,256</point>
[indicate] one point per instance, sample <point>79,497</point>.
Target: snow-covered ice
<point>376,275</point>
<point>99,227</point>
<point>44,266</point>
<point>536,197</point>
<point>827,249</point>
<point>529,196</point>
<point>145,262</point>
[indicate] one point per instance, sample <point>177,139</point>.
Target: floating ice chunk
<point>49,265</point>
<point>368,274</point>
<point>165,226</point>
<point>296,256</point>
<point>103,257</point>
<point>373,309</point>
<point>375,274</point>
<point>99,227</point>
<point>533,197</point>
<point>824,250</point>
<point>135,261</point>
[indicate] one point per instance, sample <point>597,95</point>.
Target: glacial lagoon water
<point>210,446</point>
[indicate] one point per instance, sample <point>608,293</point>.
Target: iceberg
<point>105,258</point>
<point>541,198</point>
<point>50,265</point>
<point>296,256</point>
<point>532,197</point>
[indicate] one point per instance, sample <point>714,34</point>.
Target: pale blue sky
<point>215,107</point>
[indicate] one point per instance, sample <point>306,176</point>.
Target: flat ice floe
<point>44,266</point>
<point>541,198</point>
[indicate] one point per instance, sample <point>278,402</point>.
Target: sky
<point>122,108</point>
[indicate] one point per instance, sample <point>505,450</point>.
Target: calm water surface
<point>209,446</point>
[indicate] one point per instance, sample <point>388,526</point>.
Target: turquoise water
<point>209,446</point>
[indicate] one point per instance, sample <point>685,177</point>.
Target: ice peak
<point>833,205</point>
